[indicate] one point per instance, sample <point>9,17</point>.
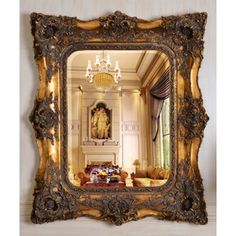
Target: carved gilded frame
<point>181,39</point>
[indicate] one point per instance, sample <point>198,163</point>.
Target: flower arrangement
<point>102,174</point>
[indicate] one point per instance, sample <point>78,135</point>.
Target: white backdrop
<point>89,9</point>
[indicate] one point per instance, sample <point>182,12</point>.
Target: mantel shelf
<point>99,149</point>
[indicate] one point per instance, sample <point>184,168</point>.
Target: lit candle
<point>97,62</point>
<point>116,67</point>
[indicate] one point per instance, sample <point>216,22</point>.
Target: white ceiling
<point>129,61</point>
<point>133,64</point>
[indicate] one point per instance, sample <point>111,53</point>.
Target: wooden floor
<point>88,227</point>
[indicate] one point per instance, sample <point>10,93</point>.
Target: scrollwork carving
<point>52,202</point>
<point>47,34</point>
<point>192,117</point>
<point>185,34</point>
<point>114,208</point>
<point>44,118</point>
<point>185,202</point>
<point>118,26</point>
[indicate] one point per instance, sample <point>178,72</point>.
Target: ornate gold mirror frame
<point>181,39</point>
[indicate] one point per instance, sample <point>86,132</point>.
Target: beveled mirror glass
<point>118,118</point>
<point>118,126</point>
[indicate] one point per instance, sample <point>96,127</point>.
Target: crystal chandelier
<point>102,76</point>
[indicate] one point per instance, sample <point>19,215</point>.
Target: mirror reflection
<point>118,118</point>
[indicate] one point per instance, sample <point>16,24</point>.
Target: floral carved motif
<point>47,31</point>
<point>114,208</point>
<point>185,202</point>
<point>118,26</point>
<point>44,118</point>
<point>185,36</point>
<point>51,201</point>
<point>192,117</point>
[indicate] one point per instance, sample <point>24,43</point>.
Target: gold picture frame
<point>181,39</point>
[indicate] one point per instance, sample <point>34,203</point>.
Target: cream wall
<point>88,9</point>
<point>112,101</point>
<point>74,98</point>
<point>126,128</point>
<point>131,136</point>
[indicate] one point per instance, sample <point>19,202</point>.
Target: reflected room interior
<point>118,118</point>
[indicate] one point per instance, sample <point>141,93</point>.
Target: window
<point>161,145</point>
<point>165,133</point>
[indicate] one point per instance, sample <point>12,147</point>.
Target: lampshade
<point>136,162</point>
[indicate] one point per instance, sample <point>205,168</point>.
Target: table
<point>119,184</point>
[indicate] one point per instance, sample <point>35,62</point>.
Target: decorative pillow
<point>150,170</point>
<point>140,174</point>
<point>89,168</point>
<point>155,173</point>
<point>109,169</point>
<point>166,174</point>
<point>161,173</point>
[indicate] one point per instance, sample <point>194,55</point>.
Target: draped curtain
<point>160,91</point>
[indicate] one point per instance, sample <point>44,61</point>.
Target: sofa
<point>150,177</point>
<point>113,170</point>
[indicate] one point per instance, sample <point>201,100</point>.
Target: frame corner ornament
<point>52,202</point>
<point>186,38</point>
<point>55,38</point>
<point>186,201</point>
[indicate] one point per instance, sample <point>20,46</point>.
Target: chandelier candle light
<point>102,76</point>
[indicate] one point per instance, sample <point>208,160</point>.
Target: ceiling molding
<point>155,69</point>
<point>83,69</point>
<point>150,68</point>
<point>145,63</point>
<point>124,84</point>
<point>140,61</point>
<point>80,75</point>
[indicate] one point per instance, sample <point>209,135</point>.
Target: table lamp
<point>136,164</point>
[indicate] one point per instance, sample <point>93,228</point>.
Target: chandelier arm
<point>101,76</point>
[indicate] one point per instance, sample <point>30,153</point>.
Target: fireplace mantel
<point>100,153</point>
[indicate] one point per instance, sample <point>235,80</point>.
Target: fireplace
<point>100,154</point>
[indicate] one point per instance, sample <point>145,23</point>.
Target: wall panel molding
<point>128,127</point>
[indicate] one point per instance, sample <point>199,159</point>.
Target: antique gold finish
<point>180,38</point>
